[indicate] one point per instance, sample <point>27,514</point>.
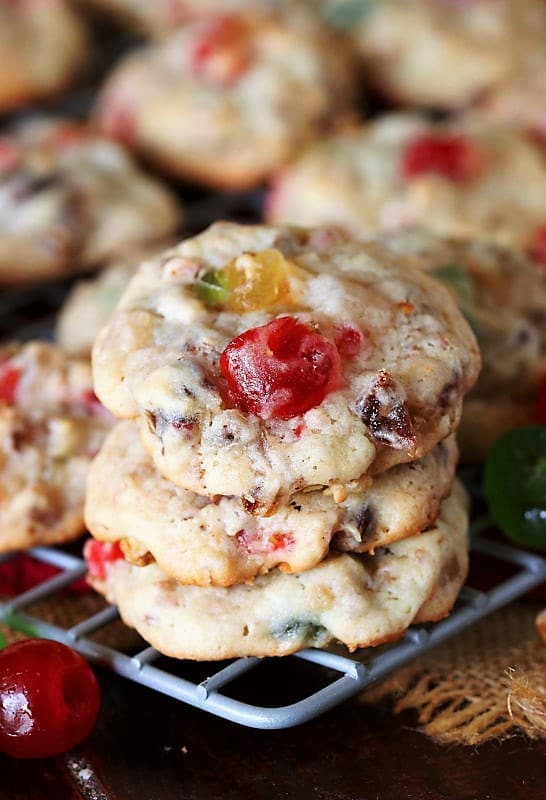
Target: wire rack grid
<point>350,674</point>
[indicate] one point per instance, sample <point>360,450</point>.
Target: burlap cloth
<point>488,682</point>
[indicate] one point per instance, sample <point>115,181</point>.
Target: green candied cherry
<point>515,485</point>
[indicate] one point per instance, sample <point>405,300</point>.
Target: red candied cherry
<point>99,554</point>
<point>9,382</point>
<point>450,155</point>
<point>222,50</point>
<point>49,699</point>
<point>280,370</point>
<point>537,250</point>
<point>541,403</point>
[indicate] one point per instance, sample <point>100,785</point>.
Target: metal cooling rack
<point>349,675</point>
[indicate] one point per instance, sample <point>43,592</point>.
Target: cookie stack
<point>284,474</point>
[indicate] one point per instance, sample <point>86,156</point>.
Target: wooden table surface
<point>149,747</point>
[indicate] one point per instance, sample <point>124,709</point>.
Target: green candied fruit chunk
<point>212,288</point>
<point>515,485</point>
<point>310,632</point>
<point>344,14</point>
<point>458,279</point>
<point>20,625</point>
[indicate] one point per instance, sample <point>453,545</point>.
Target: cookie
<point>521,102</point>
<point>461,178</point>
<point>213,541</point>
<point>503,296</point>
<point>215,101</point>
<point>70,200</point>
<point>541,624</point>
<point>265,360</point>
<point>51,426</point>
<point>43,46</point>
<point>158,19</point>
<point>444,54</point>
<point>90,303</point>
<point>358,600</point>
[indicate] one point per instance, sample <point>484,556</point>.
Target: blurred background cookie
<point>443,54</point>
<point>43,46</point>
<point>70,200</point>
<point>90,302</point>
<point>466,178</point>
<point>226,100</point>
<point>503,295</point>
<point>51,427</point>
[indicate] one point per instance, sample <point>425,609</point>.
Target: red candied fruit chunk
<point>452,156</point>
<point>222,50</point>
<point>280,370</point>
<point>99,554</point>
<point>256,544</point>
<point>9,383</point>
<point>66,136</point>
<point>349,340</point>
<point>537,250</point>
<point>541,403</point>
<point>91,402</point>
<point>9,156</point>
<point>118,118</point>
<point>49,699</point>
<point>176,12</point>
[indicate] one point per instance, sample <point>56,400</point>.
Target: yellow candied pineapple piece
<point>251,282</point>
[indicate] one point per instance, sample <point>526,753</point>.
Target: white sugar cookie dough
<point>359,601</point>
<point>227,99</point>
<point>43,46</point>
<point>90,303</point>
<point>503,295</point>
<point>70,200</point>
<point>51,427</point>
<point>442,54</point>
<point>203,541</point>
<point>390,338</point>
<point>462,178</point>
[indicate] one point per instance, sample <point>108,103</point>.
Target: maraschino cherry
<point>49,699</point>
<point>280,370</point>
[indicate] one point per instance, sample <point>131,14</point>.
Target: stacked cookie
<point>284,474</point>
